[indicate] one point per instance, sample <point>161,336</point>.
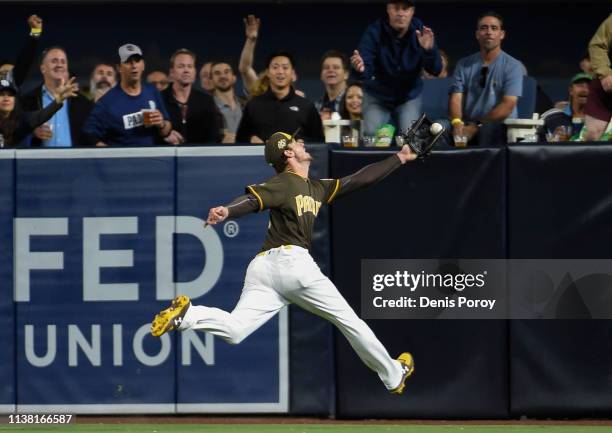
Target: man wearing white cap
<point>118,118</point>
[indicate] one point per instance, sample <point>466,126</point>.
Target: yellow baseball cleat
<point>407,362</point>
<point>170,318</point>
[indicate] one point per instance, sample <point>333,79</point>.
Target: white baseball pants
<point>285,275</point>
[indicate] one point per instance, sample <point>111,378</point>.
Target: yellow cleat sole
<point>407,362</point>
<point>170,318</point>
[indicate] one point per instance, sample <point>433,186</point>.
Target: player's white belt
<point>284,247</point>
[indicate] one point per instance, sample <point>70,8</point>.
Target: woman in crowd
<point>15,124</point>
<point>353,98</point>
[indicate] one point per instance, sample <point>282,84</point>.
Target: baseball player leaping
<point>284,272</point>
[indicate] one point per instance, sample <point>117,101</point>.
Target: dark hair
<point>221,62</point>
<point>109,64</point>
<point>179,52</point>
<point>8,125</point>
<point>335,54</point>
<point>344,113</point>
<point>44,54</point>
<point>280,54</point>
<point>104,63</point>
<point>490,14</point>
<point>407,3</point>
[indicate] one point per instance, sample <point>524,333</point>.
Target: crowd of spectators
<point>382,82</point>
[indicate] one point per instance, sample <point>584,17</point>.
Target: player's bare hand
<point>426,38</point>
<point>406,154</point>
<point>357,62</point>
<point>35,22</point>
<point>251,27</point>
<point>216,215</point>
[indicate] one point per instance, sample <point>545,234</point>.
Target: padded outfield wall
<point>95,241</point>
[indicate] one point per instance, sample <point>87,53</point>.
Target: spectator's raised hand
<point>357,62</point>
<point>35,22</point>
<point>66,89</point>
<point>251,27</point>
<point>425,38</point>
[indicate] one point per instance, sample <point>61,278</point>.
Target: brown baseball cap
<point>275,149</point>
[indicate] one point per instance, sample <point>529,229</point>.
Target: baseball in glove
<point>422,136</point>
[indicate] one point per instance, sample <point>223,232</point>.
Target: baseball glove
<point>420,137</point>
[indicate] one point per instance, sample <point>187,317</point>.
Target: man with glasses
<point>486,86</point>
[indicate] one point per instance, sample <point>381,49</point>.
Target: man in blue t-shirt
<point>118,118</point>
<point>486,86</point>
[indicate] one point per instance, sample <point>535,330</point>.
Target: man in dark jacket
<point>391,55</point>
<point>279,109</point>
<point>193,113</point>
<point>64,128</point>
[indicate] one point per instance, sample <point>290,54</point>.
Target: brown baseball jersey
<point>294,203</point>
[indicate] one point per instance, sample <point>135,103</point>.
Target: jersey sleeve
<point>270,194</point>
<point>367,175</point>
<point>331,188</point>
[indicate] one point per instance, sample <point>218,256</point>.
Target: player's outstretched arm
<point>240,206</point>
<point>375,172</point>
